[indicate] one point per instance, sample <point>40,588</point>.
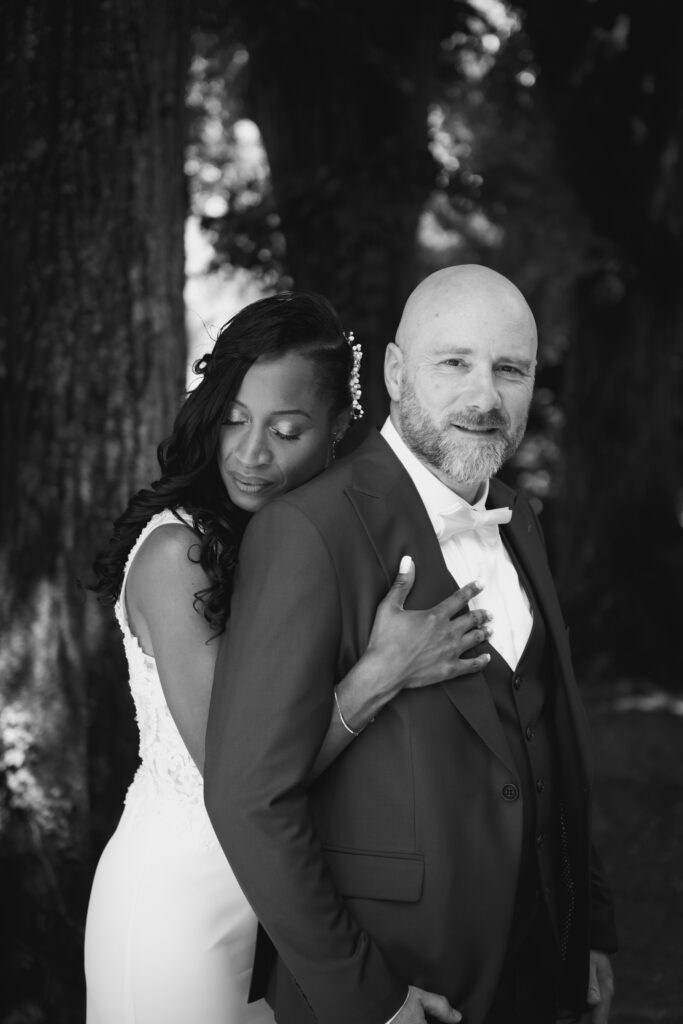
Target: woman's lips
<point>250,484</point>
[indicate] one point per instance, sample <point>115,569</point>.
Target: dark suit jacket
<point>399,864</point>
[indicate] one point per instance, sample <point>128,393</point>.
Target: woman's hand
<point>418,648</point>
<point>406,649</point>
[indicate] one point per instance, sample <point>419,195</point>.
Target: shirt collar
<point>438,499</point>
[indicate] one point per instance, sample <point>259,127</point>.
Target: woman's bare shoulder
<point>168,557</point>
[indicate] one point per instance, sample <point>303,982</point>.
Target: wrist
<point>362,693</point>
<point>366,690</point>
<point>342,718</point>
<point>381,681</point>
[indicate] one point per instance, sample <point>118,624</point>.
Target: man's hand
<point>420,1002</point>
<point>600,987</point>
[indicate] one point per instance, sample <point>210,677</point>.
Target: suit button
<point>517,681</point>
<point>529,733</point>
<point>510,791</point>
<point>540,785</point>
<point>540,839</point>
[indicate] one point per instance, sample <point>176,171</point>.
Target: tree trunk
<point>93,348</point>
<point>614,81</point>
<point>340,93</point>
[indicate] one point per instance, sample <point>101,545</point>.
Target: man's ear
<point>393,370</point>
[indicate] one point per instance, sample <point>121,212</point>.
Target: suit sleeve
<point>270,709</point>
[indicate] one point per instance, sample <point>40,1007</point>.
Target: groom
<point>444,862</point>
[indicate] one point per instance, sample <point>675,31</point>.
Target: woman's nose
<point>253,449</point>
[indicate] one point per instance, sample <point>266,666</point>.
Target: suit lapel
<point>397,524</point>
<point>522,536</point>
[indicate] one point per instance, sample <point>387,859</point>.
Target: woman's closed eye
<point>283,434</point>
<point>286,435</point>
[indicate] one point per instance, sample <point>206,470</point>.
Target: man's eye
<point>514,370</point>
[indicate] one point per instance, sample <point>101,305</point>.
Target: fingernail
<point>477,585</point>
<point>406,564</point>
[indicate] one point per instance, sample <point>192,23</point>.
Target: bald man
<point>442,867</point>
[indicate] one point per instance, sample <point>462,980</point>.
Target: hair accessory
<point>341,717</point>
<point>201,365</point>
<point>354,380</point>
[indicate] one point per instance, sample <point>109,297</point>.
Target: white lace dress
<point>169,935</point>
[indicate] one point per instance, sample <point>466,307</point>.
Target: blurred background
<point>165,162</point>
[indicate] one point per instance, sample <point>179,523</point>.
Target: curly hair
<point>301,323</point>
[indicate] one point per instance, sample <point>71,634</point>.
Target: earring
<point>336,438</point>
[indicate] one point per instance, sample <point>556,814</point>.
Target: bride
<point>169,935</point>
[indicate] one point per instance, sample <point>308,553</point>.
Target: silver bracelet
<point>341,717</point>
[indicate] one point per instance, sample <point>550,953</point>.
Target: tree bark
<point>93,348</point>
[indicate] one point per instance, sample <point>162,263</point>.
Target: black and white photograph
<point>341,545</point>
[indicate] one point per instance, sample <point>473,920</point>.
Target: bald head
<point>460,374</point>
<point>469,292</point>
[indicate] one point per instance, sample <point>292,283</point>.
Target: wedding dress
<point>169,935</point>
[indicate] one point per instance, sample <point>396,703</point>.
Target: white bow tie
<point>462,518</point>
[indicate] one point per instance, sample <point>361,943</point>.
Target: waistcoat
<point>524,700</point>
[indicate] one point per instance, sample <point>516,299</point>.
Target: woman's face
<point>277,432</point>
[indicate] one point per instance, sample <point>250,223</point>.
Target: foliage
<point>613,84</point>
<point>227,167</point>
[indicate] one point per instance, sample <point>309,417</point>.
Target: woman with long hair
<point>170,936</point>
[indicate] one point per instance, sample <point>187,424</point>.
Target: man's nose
<point>482,390</point>
<point>254,449</point>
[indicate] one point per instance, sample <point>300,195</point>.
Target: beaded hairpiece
<point>354,379</point>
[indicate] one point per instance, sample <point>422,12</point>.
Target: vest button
<point>510,791</point>
<point>529,733</point>
<point>540,785</point>
<point>517,681</point>
<point>540,839</point>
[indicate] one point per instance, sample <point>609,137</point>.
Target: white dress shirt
<point>472,555</point>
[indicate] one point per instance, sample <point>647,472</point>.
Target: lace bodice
<point>167,777</point>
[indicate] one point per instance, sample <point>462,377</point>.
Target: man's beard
<point>455,456</point>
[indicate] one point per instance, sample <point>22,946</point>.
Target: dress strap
<point>167,517</point>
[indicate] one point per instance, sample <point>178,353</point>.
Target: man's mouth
<point>476,431</point>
